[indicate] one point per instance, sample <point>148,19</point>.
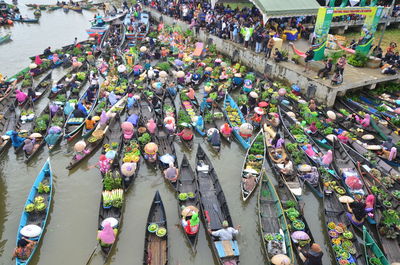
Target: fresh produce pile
<point>37,206</point>
<point>168,110</point>
<point>112,183</point>
<point>275,243</point>
<point>256,155</point>
<point>159,231</point>
<point>144,139</point>
<point>80,76</point>
<point>389,225</point>
<point>297,155</point>
<point>113,198</point>
<point>100,107</point>
<point>131,152</point>
<point>233,116</point>
<point>27,116</point>
<point>60,98</point>
<point>189,109</point>
<point>294,216</point>
<point>43,188</point>
<point>41,123</point>
<point>183,118</point>
<point>342,244</point>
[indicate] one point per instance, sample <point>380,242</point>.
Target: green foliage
<point>76,51</point>
<point>335,56</point>
<point>163,66</point>
<point>183,117</point>
<point>358,59</point>
<point>212,48</point>
<point>111,183</point>
<point>41,123</point>
<point>153,34</point>
<point>26,82</point>
<point>144,139</point>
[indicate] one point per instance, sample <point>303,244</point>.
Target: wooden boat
<point>166,147</point>
<point>276,157</point>
<point>5,38</point>
<point>300,159</point>
<point>75,8</point>
<point>65,81</point>
<point>26,20</point>
<point>25,121</point>
<point>74,125</point>
<point>127,148</point>
<point>41,126</point>
<point>7,123</point>
<point>290,205</point>
<point>138,35</point>
<point>117,27</point>
<point>168,110</point>
<point>156,247</point>
<point>209,126</point>
<point>336,214</point>
<point>191,107</point>
<point>58,119</point>
<point>44,85</point>
<point>92,144</point>
<point>214,208</point>
<point>235,119</point>
<point>372,250</point>
<point>111,212</point>
<point>36,217</point>
<point>253,163</point>
<point>187,184</point>
<point>272,222</point>
<point>113,139</point>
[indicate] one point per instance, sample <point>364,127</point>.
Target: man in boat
<point>226,233</point>
<point>78,113</point>
<point>171,173</point>
<point>24,249</point>
<point>191,223</point>
<point>313,256</point>
<point>47,51</point>
<point>287,167</point>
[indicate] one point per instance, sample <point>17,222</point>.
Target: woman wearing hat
<point>191,224</point>
<point>313,256</point>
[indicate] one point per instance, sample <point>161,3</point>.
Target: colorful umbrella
<point>300,235</point>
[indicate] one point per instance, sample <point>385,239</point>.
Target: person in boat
<point>370,204</point>
<point>171,88</point>
<point>214,138</point>
<point>106,236</point>
<point>312,128</point>
<point>169,124</point>
<point>256,119</point>
<point>312,106</point>
<point>356,213</point>
<point>186,134</point>
<point>20,96</point>
<point>277,141</point>
<point>112,98</point>
<point>327,158</point>
<point>244,109</point>
<point>151,126</point>
<point>31,93</point>
<point>24,249</point>
<point>90,123</point>
<point>53,136</point>
<point>29,146</point>
<point>226,233</point>
<point>249,182</point>
<point>16,140</point>
<point>313,256</point>
<point>287,169</point>
<point>47,51</point>
<point>274,121</point>
<point>191,224</point>
<point>78,113</point>
<point>171,173</point>
<point>226,130</point>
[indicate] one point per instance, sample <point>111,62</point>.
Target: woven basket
<point>98,134</point>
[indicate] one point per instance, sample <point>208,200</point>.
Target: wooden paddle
<point>91,255</point>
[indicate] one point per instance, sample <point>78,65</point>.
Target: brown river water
<point>70,236</point>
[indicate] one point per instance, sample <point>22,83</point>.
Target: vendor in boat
<point>191,223</point>
<point>186,134</point>
<point>31,94</point>
<point>249,182</point>
<point>78,113</point>
<point>226,233</point>
<point>107,236</point>
<point>20,96</point>
<point>287,169</point>
<point>47,51</point>
<point>313,256</point>
<point>356,213</point>
<point>312,129</point>
<point>226,130</point>
<point>214,138</point>
<point>171,173</point>
<point>389,150</point>
<point>90,123</point>
<point>30,146</point>
<point>24,249</point>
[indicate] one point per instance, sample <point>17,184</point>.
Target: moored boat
<point>7,123</point>
<point>36,211</point>
<point>25,122</point>
<point>214,209</point>
<point>156,237</point>
<point>188,202</point>
<point>5,38</point>
<point>373,253</point>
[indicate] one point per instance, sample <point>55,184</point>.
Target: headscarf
<point>393,153</point>
<point>112,98</point>
<point>366,121</point>
<point>107,234</point>
<point>151,126</point>
<point>103,118</point>
<point>327,158</point>
<point>194,220</point>
<point>21,96</point>
<point>275,140</point>
<point>215,138</point>
<point>370,201</point>
<point>313,128</point>
<point>358,209</point>
<point>225,129</point>
<point>51,138</point>
<point>310,151</point>
<point>28,146</point>
<point>16,140</point>
<point>191,93</point>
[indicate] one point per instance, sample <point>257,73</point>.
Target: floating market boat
<point>235,119</point>
<point>192,109</point>
<point>64,83</point>
<point>5,38</point>
<point>113,141</point>
<point>214,209</point>
<point>138,34</point>
<point>25,122</point>
<point>156,238</point>
<point>131,156</point>
<point>276,158</point>
<point>36,210</point>
<point>274,230</point>
<point>7,123</point>
<point>183,117</point>
<point>252,166</point>
<point>40,128</point>
<point>106,41</point>
<point>57,120</point>
<point>188,198</point>
<point>341,233</point>
<point>111,208</point>
<point>214,139</point>
<point>26,20</point>
<point>166,153</point>
<point>168,111</point>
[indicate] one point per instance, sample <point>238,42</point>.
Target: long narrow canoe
<point>235,119</point>
<point>187,143</point>
<point>111,214</point>
<point>26,122</point>
<point>7,123</point>
<point>188,185</point>
<point>276,157</point>
<point>272,222</point>
<point>5,38</point>
<point>156,247</point>
<point>252,166</point>
<point>335,215</point>
<point>36,219</point>
<point>166,147</point>
<point>58,119</point>
<point>44,85</point>
<point>372,250</point>
<point>214,209</point>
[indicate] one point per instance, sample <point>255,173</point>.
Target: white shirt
<point>225,233</point>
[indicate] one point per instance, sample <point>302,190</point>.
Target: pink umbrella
<point>354,182</point>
